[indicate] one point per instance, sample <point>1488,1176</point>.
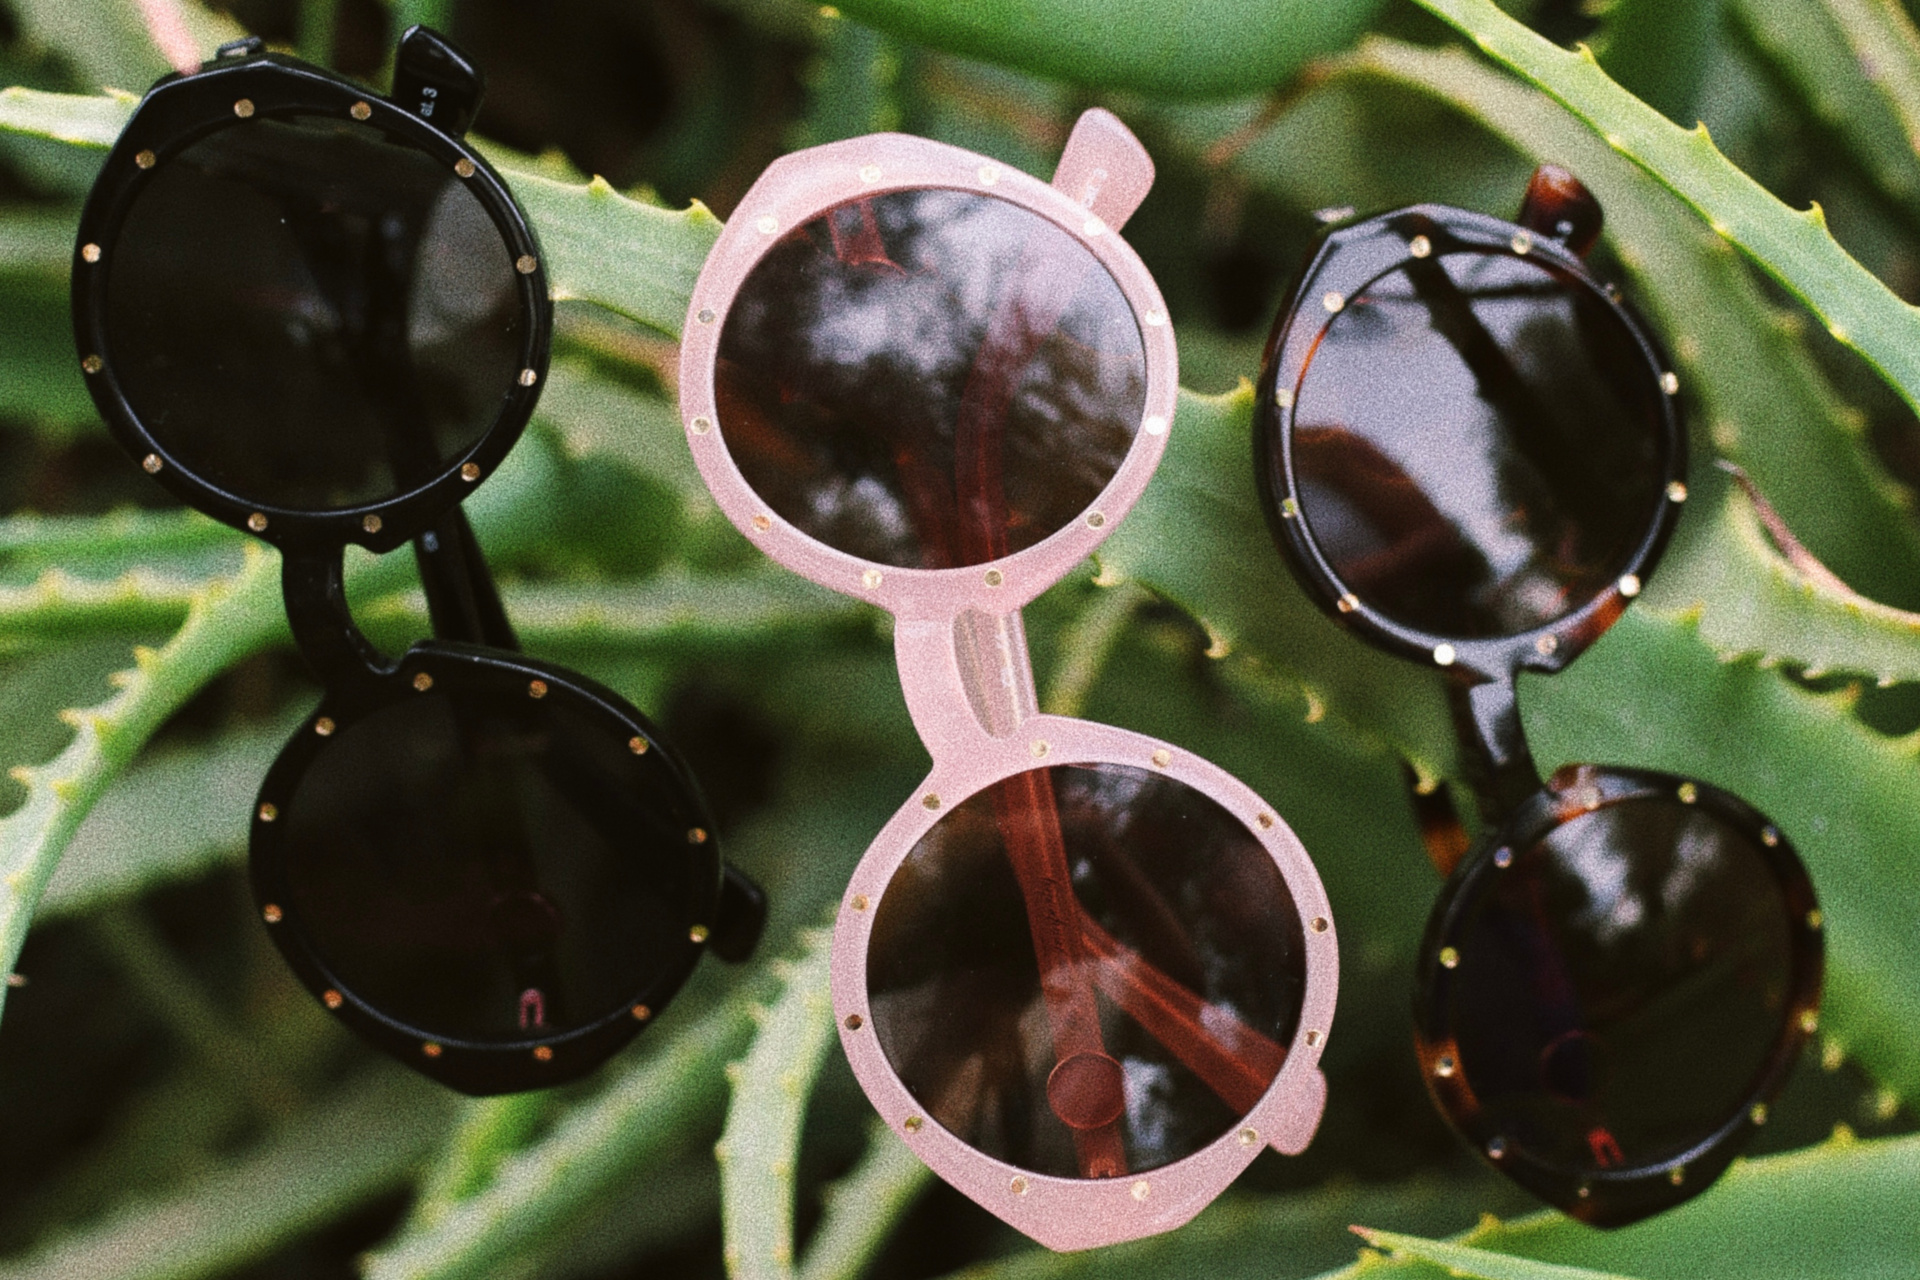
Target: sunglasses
<point>1470,452</point>
<point>317,315</point>
<point>1084,975</point>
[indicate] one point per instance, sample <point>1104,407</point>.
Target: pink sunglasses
<point>1085,975</point>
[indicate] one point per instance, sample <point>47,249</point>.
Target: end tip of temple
<point>1104,167</point>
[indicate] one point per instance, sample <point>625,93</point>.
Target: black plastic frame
<point>180,110</point>
<point>1610,1197</point>
<point>1564,220</point>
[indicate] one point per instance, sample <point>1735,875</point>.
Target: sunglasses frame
<point>1560,222</point>
<point>1102,176</point>
<point>242,84</point>
<point>1346,261</point>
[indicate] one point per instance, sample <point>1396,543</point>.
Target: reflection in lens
<point>482,868</point>
<point>312,315</point>
<point>1175,930</point>
<point>929,378</point>
<point>1478,443</point>
<point>1622,984</point>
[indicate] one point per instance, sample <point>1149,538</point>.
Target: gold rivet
<point>1770,837</point>
<point>332,999</point>
<point>1333,302</point>
<point>324,726</point>
<point>269,812</point>
<point>762,523</point>
<point>526,264</point>
<point>528,377</point>
<point>360,110</point>
<point>90,253</point>
<point>696,835</point>
<point>243,108</point>
<point>1283,398</point>
<point>1629,585</point>
<point>1163,757</point>
<point>1038,749</point>
<point>536,688</point>
<point>871,578</point>
<point>1289,509</point>
<point>859,902</point>
<point>1155,319</point>
<point>1583,1191</point>
<point>1313,1038</point>
<point>145,159</point>
<point>988,175</point>
<point>930,800</point>
<point>1142,1189</point>
<point>1815,919</point>
<point>1677,1174</point>
<point>1757,1113</point>
<point>1156,425</point>
<point>1444,655</point>
<point>995,577</point>
<point>1093,227</point>
<point>371,524</point>
<point>93,364</point>
<point>423,682</point>
<point>1585,797</point>
<point>702,425</point>
<point>1419,246</point>
<point>1095,519</point>
<point>1348,602</point>
<point>470,472</point>
<point>1449,958</point>
<point>912,1124</point>
<point>271,913</point>
<point>1497,1148</point>
<point>1444,1066</point>
<point>637,745</point>
<point>705,316</point>
<point>697,934</point>
<point>257,522</point>
<point>1810,1021</point>
<point>151,464</point>
<point>1688,793</point>
<point>641,1013</point>
<point>1264,821</point>
<point>543,1053</point>
<point>869,173</point>
<point>1503,857</point>
<point>854,1022</point>
<point>1670,383</point>
<point>463,167</point>
<point>1676,492</point>
<point>1249,1137</point>
<point>768,224</point>
<point>431,1049</point>
<point>1018,1186</point>
<point>1319,924</point>
<point>1521,242</point>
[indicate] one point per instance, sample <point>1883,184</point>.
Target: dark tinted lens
<point>311,315</point>
<point>1174,985</point>
<point>1478,444</point>
<point>929,378</point>
<point>488,869</point>
<point>1621,986</point>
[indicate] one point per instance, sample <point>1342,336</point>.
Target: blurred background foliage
<point>171,1104</point>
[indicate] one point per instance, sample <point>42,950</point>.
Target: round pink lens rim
<point>1073,1213</point>
<point>800,187</point>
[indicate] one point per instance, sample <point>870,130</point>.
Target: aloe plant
<point>171,1106</point>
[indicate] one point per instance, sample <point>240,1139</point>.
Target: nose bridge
<point>966,677</point>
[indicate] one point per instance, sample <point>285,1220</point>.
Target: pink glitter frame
<point>968,680</point>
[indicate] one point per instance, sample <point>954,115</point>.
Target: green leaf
<point>864,1207</point>
<point>1465,1260</point>
<point>81,120</point>
<point>1201,48</point>
<point>1886,50</point>
<point>1660,50</point>
<point>1794,248</point>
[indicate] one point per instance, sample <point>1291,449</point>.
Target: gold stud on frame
<point>90,253</point>
<point>257,522</point>
<point>423,682</point>
<point>697,934</point>
<point>151,464</point>
<point>536,688</point>
<point>332,999</point>
<point>271,913</point>
<point>526,264</point>
<point>637,745</point>
<point>360,110</point>
<point>470,472</point>
<point>371,524</point>
<point>463,167</point>
<point>324,726</point>
<point>244,108</point>
<point>697,835</point>
<point>145,159</point>
<point>268,812</point>
<point>93,364</point>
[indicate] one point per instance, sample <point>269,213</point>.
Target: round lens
<point>1622,986</point>
<point>1478,444</point>
<point>929,378</point>
<point>485,869</point>
<point>310,314</point>
<point>1087,971</point>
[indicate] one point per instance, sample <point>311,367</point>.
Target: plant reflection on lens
<point>317,315</point>
<point>1470,452</point>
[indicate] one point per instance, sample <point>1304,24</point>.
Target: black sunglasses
<point>1470,452</point>
<point>317,315</point>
